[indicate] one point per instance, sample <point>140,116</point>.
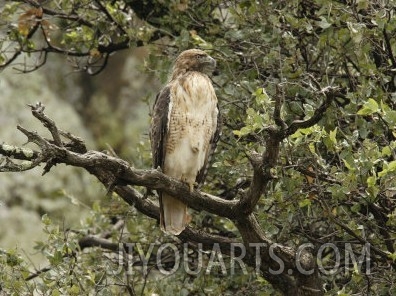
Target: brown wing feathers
<point>159,127</point>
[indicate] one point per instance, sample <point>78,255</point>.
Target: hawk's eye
<point>201,56</point>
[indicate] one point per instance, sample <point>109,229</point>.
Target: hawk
<point>184,131</point>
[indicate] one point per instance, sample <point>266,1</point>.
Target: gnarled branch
<point>120,176</point>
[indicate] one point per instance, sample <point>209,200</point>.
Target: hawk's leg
<point>190,184</point>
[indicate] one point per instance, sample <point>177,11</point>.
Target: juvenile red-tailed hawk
<point>184,131</point>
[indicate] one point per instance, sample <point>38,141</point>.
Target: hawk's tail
<point>174,216</point>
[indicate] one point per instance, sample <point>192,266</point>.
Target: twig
<point>37,273</point>
<point>38,112</point>
<point>314,174</point>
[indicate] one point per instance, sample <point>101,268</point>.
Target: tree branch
<point>262,165</point>
<point>278,105</point>
<point>111,170</point>
<point>287,278</point>
<point>330,93</point>
<point>118,175</point>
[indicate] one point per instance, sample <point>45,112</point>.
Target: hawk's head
<point>193,60</point>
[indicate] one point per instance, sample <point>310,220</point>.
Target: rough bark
<point>119,176</point>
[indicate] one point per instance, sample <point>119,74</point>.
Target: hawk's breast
<point>192,123</point>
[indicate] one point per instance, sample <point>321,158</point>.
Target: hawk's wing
<point>159,127</point>
<point>211,149</point>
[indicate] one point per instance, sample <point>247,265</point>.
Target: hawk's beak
<point>212,61</point>
<point>210,64</point>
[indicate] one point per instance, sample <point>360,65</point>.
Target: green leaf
<point>348,165</point>
<point>305,131</point>
<point>356,31</point>
<point>390,118</point>
<point>304,203</point>
<point>74,290</point>
<point>371,181</point>
<point>46,220</point>
<point>387,168</point>
<point>332,136</point>
<point>386,151</point>
<point>356,208</point>
<point>243,131</point>
<point>385,107</point>
<point>323,23</point>
<point>370,107</point>
<point>55,258</point>
<point>392,166</point>
<point>392,256</point>
<point>262,97</point>
<point>13,259</point>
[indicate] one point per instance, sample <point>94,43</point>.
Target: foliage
<point>334,180</point>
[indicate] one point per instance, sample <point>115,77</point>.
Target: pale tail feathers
<point>174,215</point>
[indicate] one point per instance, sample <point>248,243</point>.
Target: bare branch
<point>38,112</point>
<point>37,273</point>
<point>8,165</point>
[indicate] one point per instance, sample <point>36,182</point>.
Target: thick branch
<point>300,283</point>
<point>111,170</point>
<point>262,165</point>
<point>289,277</point>
<point>278,106</point>
<point>118,175</point>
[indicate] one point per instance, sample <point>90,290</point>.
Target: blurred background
<point>109,111</point>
